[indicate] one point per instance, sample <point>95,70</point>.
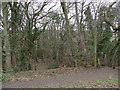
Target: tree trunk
<point>78,27</point>
<point>0,51</point>
<point>0,47</point>
<point>69,38</point>
<point>6,36</point>
<point>95,42</point>
<point>13,35</point>
<point>119,48</point>
<point>119,36</point>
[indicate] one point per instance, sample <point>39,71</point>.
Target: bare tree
<point>6,36</point>
<point>78,26</point>
<point>69,38</point>
<point>95,9</point>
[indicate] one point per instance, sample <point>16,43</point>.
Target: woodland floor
<point>104,77</point>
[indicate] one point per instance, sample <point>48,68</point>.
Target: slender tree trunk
<point>95,42</point>
<point>119,39</point>
<point>13,35</point>
<point>6,36</point>
<point>119,48</point>
<point>69,38</point>
<point>0,52</point>
<point>78,27</point>
<point>55,42</point>
<point>35,55</point>
<point>0,46</point>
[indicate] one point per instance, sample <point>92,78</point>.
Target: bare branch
<point>107,19</point>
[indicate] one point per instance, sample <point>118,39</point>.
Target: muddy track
<point>83,75</point>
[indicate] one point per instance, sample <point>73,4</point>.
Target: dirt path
<point>83,75</point>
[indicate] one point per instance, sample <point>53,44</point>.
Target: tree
<point>96,9</point>
<point>6,36</point>
<point>15,21</point>
<point>79,27</point>
<point>105,52</point>
<point>89,20</point>
<point>108,20</point>
<point>89,35</point>
<point>0,47</point>
<point>69,38</point>
<point>115,28</point>
<point>95,42</point>
<point>81,36</point>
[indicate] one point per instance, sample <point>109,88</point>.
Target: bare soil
<point>60,78</point>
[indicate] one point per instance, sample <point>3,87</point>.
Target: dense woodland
<point>67,34</point>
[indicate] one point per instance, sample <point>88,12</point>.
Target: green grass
<point>113,81</point>
<point>69,86</point>
<point>85,85</point>
<point>4,76</point>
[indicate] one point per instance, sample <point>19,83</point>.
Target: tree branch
<point>108,20</point>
